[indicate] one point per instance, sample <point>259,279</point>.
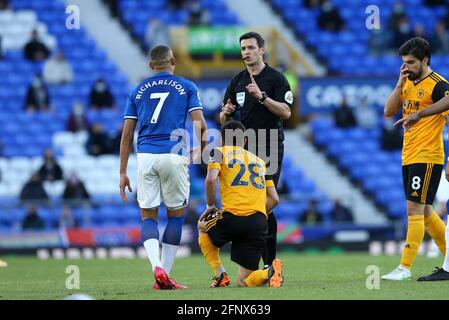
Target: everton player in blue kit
<point>159,106</point>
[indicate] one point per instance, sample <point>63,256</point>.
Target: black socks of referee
<point>270,244</point>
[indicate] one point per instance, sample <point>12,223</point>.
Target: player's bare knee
<point>149,214</point>
<point>428,210</point>
<point>175,212</point>
<point>415,208</point>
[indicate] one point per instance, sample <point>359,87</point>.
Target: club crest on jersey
<point>240,97</point>
<point>420,93</point>
<point>404,104</point>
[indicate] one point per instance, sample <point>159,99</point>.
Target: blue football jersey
<point>160,105</point>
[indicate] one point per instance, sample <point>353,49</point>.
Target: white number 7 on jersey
<point>162,96</point>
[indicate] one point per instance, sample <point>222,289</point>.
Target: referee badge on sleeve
<point>289,97</point>
<point>240,97</point>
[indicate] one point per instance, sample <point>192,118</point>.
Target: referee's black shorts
<point>246,233</point>
<point>421,181</point>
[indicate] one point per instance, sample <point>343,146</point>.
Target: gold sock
<point>415,235</point>
<point>437,230</point>
<point>257,278</point>
<point>210,252</point>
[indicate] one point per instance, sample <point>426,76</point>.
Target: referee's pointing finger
<point>252,79</point>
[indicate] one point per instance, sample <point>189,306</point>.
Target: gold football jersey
<point>424,143</point>
<point>242,180</point>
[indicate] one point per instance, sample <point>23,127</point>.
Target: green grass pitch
<point>320,276</point>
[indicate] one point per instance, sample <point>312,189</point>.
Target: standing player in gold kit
<point>423,151</point>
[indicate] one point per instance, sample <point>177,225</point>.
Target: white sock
<point>221,270</point>
<point>152,248</point>
<point>168,256</point>
<point>446,258</point>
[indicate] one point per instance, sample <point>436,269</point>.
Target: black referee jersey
<point>253,114</point>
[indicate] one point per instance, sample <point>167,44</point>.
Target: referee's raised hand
<point>253,88</point>
<point>228,108</point>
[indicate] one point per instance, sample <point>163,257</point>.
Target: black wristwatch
<point>264,97</point>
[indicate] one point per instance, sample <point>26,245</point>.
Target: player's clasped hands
<point>253,88</point>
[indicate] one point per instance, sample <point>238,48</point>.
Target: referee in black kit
<point>263,97</point>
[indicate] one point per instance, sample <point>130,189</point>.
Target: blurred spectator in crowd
<point>397,14</point>
<point>50,169</point>
<point>77,120</point>
<point>402,33</point>
<point>446,19</point>
<point>101,96</point>
<point>58,70</point>
<point>366,116</point>
<point>115,140</point>
<point>97,142</point>
<point>378,42</point>
<point>32,221</point>
<point>440,38</point>
<point>197,15</point>
<point>311,216</point>
<point>432,3</point>
<point>4,5</point>
<point>312,4</point>
<point>67,221</point>
<point>175,4</point>
<point>340,213</point>
<point>329,18</point>
<point>157,33</point>
<point>37,98</point>
<point>33,190</point>
<point>113,7</point>
<point>344,116</point>
<point>391,136</point>
<point>35,50</point>
<point>419,31</point>
<point>75,191</point>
